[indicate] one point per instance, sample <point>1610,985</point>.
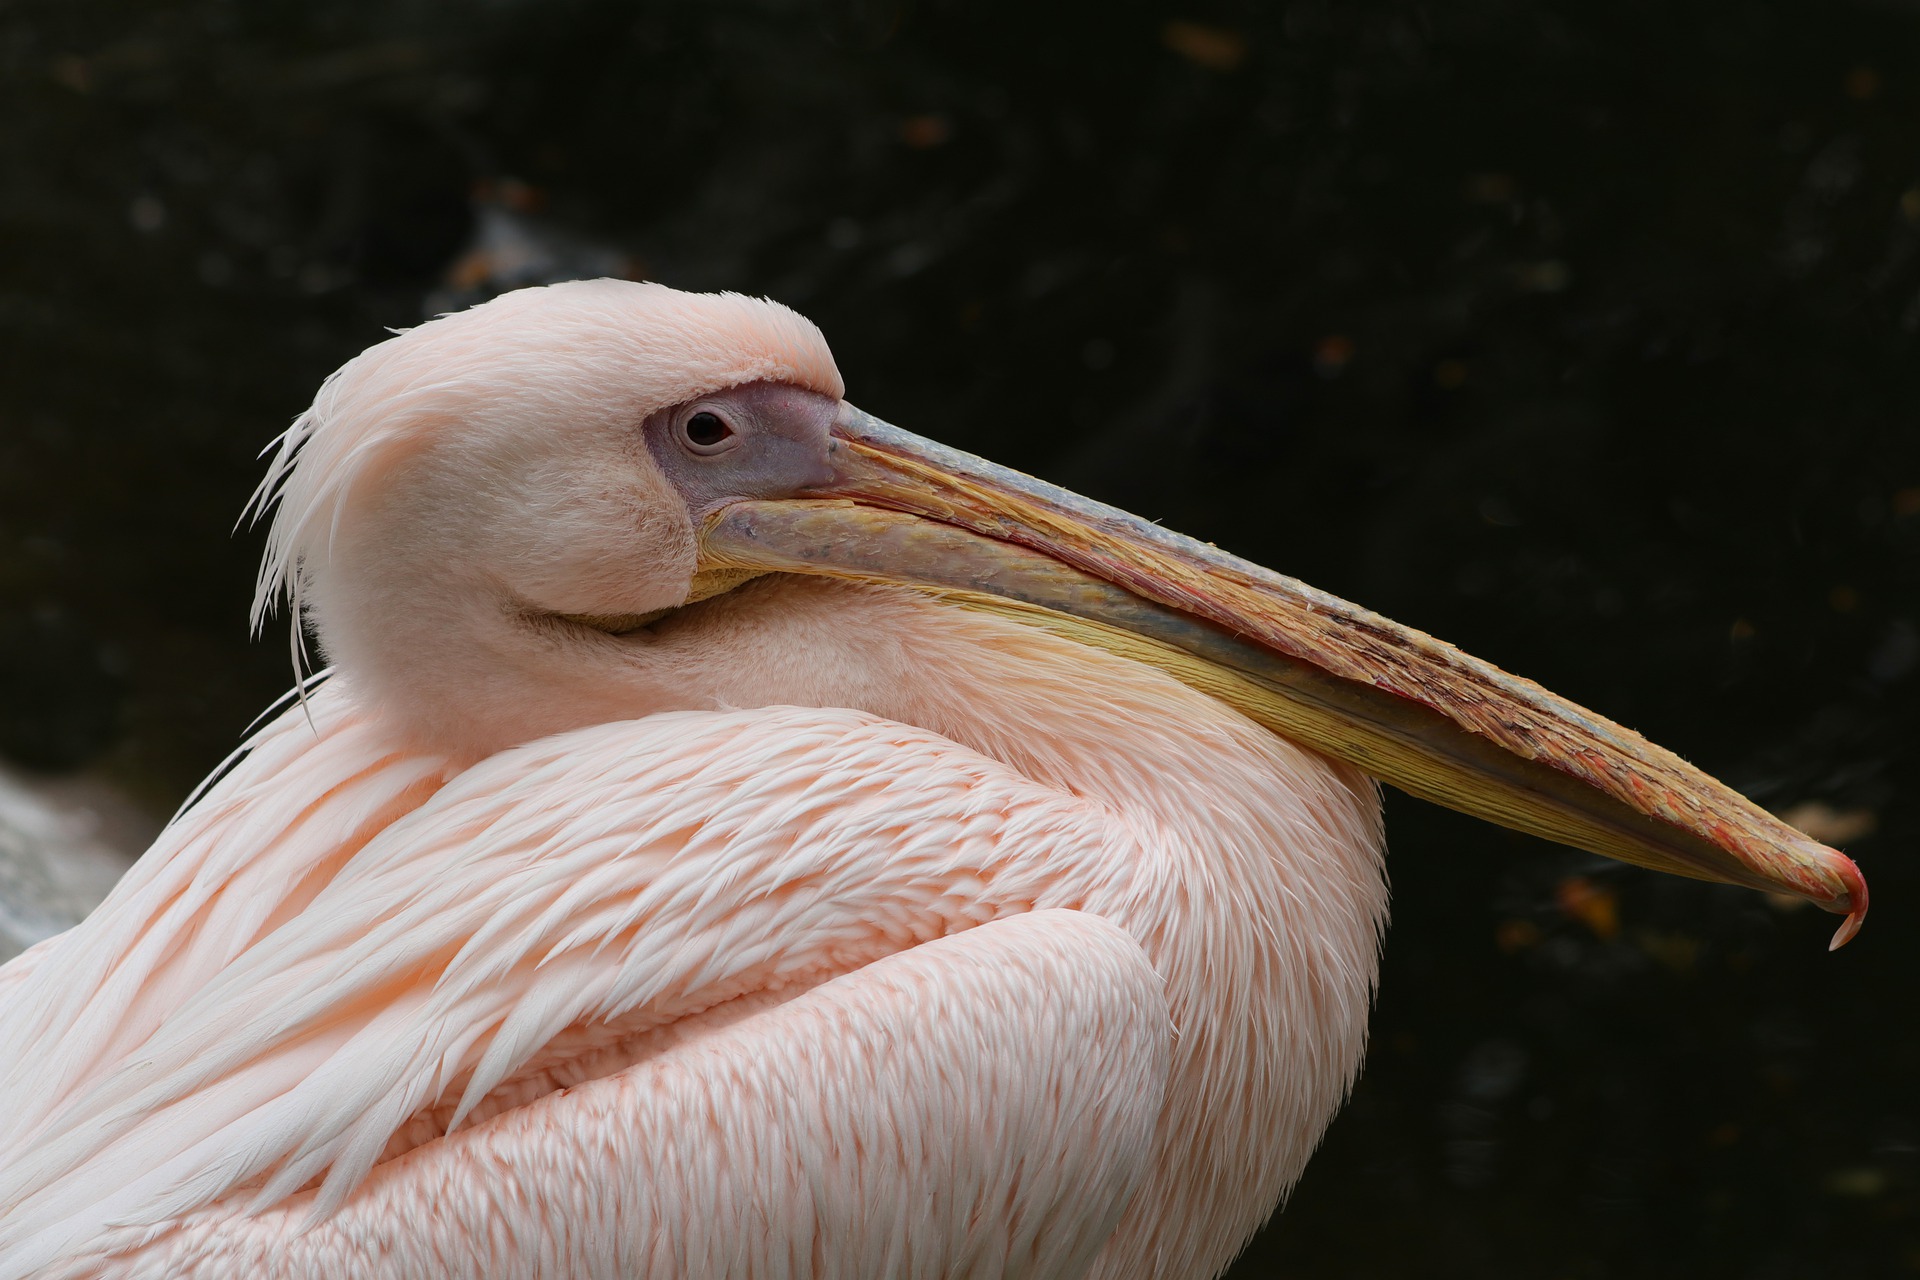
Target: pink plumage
<point>613,911</point>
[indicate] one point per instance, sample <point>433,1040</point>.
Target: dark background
<point>1581,334</point>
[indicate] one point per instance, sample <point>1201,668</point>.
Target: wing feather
<point>629,874</point>
<point>982,1105</point>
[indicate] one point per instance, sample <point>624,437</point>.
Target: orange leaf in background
<point>1215,48</point>
<point>1516,935</point>
<point>1596,908</point>
<point>922,132</point>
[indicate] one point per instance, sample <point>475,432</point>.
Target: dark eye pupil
<point>707,428</point>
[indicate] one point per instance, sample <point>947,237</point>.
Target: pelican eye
<point>707,432</point>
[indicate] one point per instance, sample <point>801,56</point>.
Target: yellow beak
<point>1404,707</point>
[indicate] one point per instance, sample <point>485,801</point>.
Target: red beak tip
<point>1856,902</point>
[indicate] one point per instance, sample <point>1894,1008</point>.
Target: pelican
<point>737,837</point>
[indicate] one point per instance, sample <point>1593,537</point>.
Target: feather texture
<point>290,1012</point>
<point>813,928</point>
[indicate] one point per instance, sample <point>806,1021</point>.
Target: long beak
<point>1400,705</point>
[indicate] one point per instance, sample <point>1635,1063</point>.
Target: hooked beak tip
<point>1856,902</point>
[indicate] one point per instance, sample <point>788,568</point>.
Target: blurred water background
<point>1578,332</point>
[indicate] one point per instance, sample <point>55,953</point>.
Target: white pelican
<point>741,838</point>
